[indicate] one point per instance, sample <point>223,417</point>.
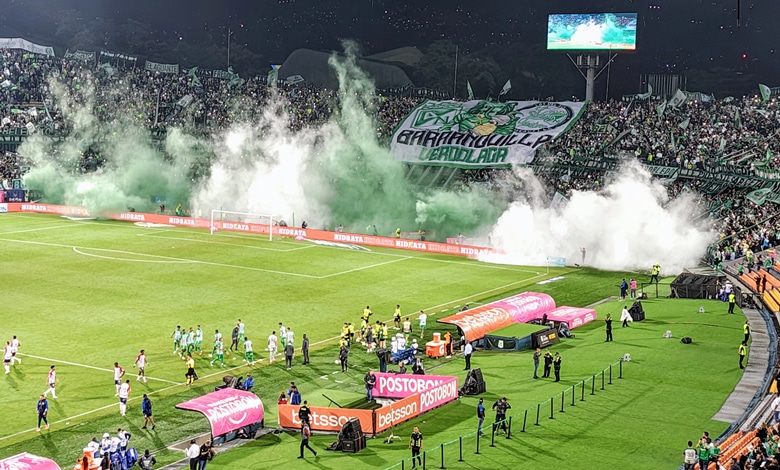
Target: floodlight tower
<point>590,67</point>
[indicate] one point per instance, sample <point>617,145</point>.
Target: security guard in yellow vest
<point>746,328</point>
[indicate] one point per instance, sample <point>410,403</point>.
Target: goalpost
<point>221,218</point>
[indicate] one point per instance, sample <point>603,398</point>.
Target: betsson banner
<point>326,419</point>
<point>478,134</point>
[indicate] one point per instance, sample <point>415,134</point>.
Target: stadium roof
<point>313,67</point>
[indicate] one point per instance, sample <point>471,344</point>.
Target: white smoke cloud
<point>629,225</point>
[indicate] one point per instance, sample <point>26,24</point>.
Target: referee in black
<point>416,443</point>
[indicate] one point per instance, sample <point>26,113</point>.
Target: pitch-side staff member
<point>467,354</point>
<point>416,443</point>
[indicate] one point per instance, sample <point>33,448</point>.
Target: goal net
<point>243,222</point>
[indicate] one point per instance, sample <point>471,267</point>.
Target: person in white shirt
<point>467,354</point>
<point>625,317</point>
<point>776,408</point>
<point>272,346</point>
<point>140,361</point>
<point>105,445</point>
<point>124,438</point>
<point>7,357</point>
<point>119,372</point>
<point>423,318</point>
<point>290,336</point>
<point>193,452</point>
<point>124,394</point>
<point>51,381</point>
<point>15,343</point>
<point>407,326</point>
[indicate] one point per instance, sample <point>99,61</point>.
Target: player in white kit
<point>140,361</point>
<point>272,346</point>
<point>124,394</point>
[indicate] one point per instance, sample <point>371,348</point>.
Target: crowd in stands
<point>739,132</point>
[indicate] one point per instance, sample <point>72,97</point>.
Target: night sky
<point>674,36</point>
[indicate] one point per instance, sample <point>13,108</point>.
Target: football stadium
<point>324,264</point>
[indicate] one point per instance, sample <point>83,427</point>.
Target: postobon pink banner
<point>27,461</point>
<point>573,316</point>
<point>439,395</point>
<point>403,385</point>
<point>227,409</point>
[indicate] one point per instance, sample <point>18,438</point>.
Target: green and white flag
<point>507,87</point>
<point>738,119</point>
<point>758,196</point>
<point>234,79</point>
<point>479,133</point>
<point>678,99</point>
<point>644,96</point>
<point>194,80</point>
<point>684,124</point>
<point>273,75</point>
<point>470,91</point>
<point>765,92</point>
<point>661,108</point>
<point>674,147</point>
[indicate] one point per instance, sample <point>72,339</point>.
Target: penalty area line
<point>153,392</point>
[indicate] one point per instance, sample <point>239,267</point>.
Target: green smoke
<point>365,185</point>
<point>330,174</point>
<point>132,172</point>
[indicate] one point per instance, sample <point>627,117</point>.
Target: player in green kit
<point>184,344</point>
<point>199,340</point>
<point>190,342</point>
<point>241,330</point>
<point>176,335</point>
<point>249,354</point>
<point>217,340</point>
<point>219,348</point>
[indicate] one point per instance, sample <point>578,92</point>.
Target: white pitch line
<point>154,392</point>
<point>193,261</point>
<point>152,235</point>
<point>103,369</point>
<point>112,258</point>
<point>363,267</point>
<point>50,227</point>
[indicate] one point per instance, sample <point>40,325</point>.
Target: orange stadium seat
<point>770,301</point>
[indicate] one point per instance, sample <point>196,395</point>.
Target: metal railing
<point>472,445</point>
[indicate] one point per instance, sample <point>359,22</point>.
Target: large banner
<point>479,134</point>
<point>402,385</point>
<point>162,68</point>
<point>573,316</point>
<point>81,55</point>
<point>25,45</point>
<point>25,461</point>
<point>325,419</point>
<point>418,394</point>
<point>108,55</point>
<point>521,308</point>
<point>227,409</point>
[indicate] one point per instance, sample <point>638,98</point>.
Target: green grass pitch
<point>83,294</point>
